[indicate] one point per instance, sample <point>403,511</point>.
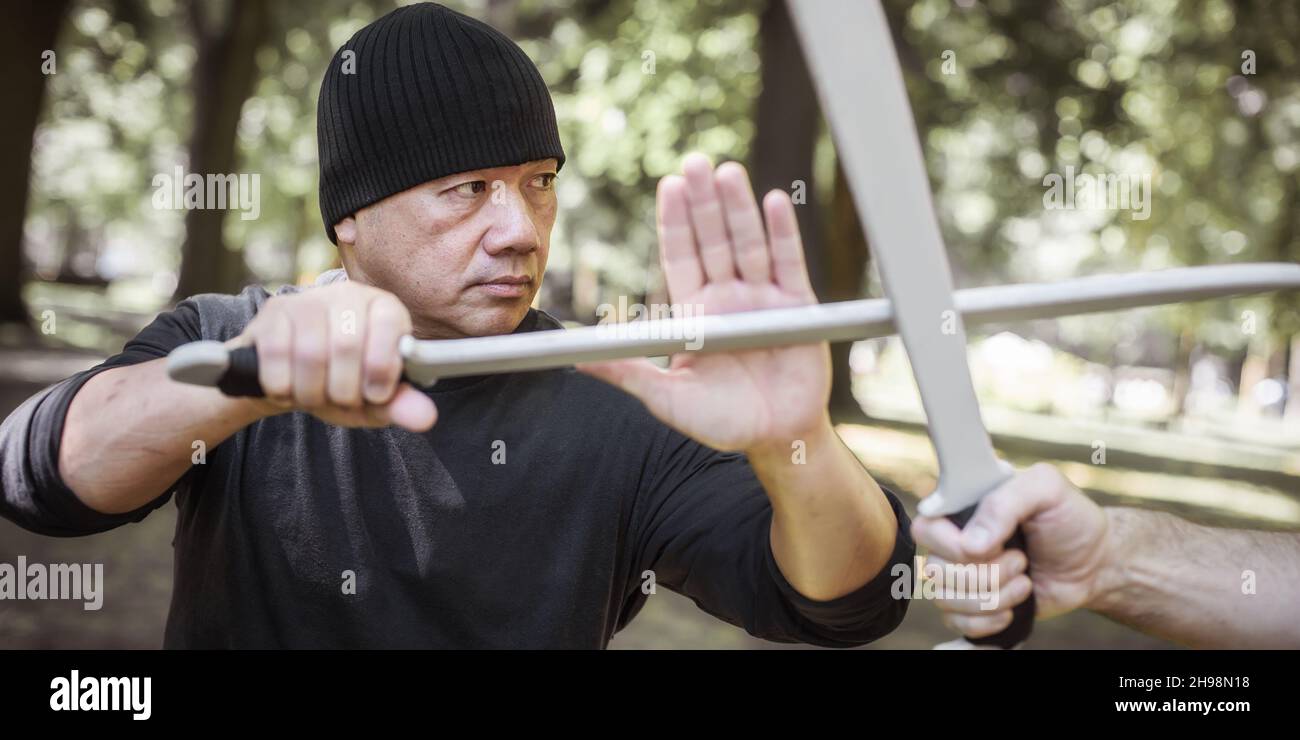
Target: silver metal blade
<point>852,59</point>
<point>203,363</point>
<point>428,360</point>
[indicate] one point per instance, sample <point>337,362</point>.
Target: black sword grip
<point>241,379</point>
<point>1022,615</point>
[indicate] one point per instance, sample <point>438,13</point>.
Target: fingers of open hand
<point>683,272</point>
<point>705,207</point>
<point>788,264</point>
<point>711,229</point>
<point>744,223</point>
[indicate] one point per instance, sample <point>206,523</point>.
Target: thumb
<point>1014,503</point>
<point>637,376</point>
<point>411,409</point>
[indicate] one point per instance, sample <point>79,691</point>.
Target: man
<point>542,508</point>
<point>1193,585</point>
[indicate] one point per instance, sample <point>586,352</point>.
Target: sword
<point>209,363</point>
<point>855,68</point>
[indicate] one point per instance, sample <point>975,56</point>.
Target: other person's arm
<point>1194,585</point>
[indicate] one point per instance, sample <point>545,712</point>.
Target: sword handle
<point>213,365</point>
<point>1022,615</point>
<point>241,376</point>
<point>234,372</point>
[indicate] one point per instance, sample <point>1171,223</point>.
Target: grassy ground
<point>138,558</point>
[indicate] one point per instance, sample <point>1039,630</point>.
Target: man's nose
<point>513,226</point>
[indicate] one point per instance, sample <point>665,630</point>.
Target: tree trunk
<point>1182,372</point>
<point>227,36</point>
<point>29,29</point>
<point>846,254</point>
<point>1292,414</point>
<point>1253,370</point>
<point>503,15</point>
<point>788,124</point>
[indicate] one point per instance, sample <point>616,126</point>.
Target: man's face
<point>465,253</point>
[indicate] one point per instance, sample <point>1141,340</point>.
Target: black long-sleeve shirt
<point>527,517</point>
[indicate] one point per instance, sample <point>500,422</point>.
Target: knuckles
<point>328,325</point>
<point>309,354</point>
<point>346,344</point>
<point>382,375</point>
<point>1044,477</point>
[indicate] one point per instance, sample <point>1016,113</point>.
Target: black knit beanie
<point>426,93</point>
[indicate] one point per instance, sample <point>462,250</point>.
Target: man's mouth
<point>507,286</point>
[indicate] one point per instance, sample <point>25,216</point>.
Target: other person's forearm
<point>130,433</point>
<point>1200,586</point>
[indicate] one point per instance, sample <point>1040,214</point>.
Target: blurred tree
<point>1033,88</point>
<point>228,35</point>
<point>29,30</point>
<point>788,124</point>
<point>636,84</point>
<point>1201,96</point>
<point>846,256</point>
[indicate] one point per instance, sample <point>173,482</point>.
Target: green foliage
<point>1104,87</point>
<point>1128,86</point>
<point>636,86</point>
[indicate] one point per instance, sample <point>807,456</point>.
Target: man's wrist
<point>1114,576</point>
<point>253,409</point>
<point>797,447</point>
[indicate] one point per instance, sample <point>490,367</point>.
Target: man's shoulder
<point>543,321</point>
<point>223,316</point>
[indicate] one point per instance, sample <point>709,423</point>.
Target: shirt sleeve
<point>32,493</point>
<point>702,526</point>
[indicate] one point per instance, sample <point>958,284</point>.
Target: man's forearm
<point>833,529</point>
<point>130,432</point>
<point>1200,586</point>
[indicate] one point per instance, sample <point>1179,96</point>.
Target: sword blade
<point>852,60</point>
<point>428,360</point>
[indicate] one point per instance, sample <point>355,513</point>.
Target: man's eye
<point>471,188</point>
<point>545,181</point>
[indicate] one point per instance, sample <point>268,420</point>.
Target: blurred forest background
<point>1193,408</point>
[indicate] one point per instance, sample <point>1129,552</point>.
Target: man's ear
<point>346,230</point>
